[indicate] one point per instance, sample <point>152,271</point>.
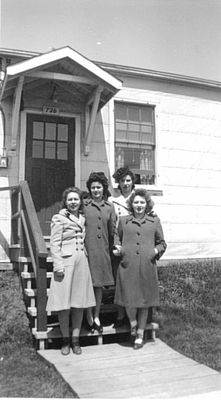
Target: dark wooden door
<point>49,166</point>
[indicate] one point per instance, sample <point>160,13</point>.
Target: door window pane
<point>62,151</point>
<point>37,149</point>
<point>63,132</point>
<point>50,131</point>
<point>38,130</point>
<point>50,150</point>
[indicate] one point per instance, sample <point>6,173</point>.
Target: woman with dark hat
<point>139,242</point>
<point>125,179</point>
<point>100,228</point>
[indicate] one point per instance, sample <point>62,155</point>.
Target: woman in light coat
<point>139,242</point>
<point>71,287</point>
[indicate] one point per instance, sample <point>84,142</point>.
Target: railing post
<point>41,294</point>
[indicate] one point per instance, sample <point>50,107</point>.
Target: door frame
<point>77,141</point>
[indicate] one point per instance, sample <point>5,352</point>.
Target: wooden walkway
<point>117,371</point>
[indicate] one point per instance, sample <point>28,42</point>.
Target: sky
<point>175,36</point>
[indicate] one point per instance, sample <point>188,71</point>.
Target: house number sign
<point>50,110</point>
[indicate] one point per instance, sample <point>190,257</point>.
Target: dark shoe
<point>138,343</point>
<point>65,348</point>
<point>76,348</point>
<point>98,328</point>
<point>90,328</point>
<point>133,334</point>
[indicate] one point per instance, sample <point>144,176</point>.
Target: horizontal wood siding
<point>188,170</point>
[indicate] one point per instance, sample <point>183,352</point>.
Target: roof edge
<point>128,70</point>
<point>143,72</point>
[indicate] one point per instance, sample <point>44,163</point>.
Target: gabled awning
<point>75,76</point>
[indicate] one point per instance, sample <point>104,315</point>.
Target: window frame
<point>153,145</point>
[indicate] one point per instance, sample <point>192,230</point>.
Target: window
<point>50,140</point>
<point>135,140</point>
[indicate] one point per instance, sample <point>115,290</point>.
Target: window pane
<point>121,111</point>
<point>146,114</point>
<point>37,149</point>
<point>38,130</point>
<point>50,133</point>
<point>62,151</point>
<point>121,131</point>
<point>50,150</point>
<point>63,132</point>
<point>133,113</point>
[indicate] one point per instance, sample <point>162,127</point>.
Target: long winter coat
<point>100,229</point>
<point>75,288</point>
<point>137,281</point>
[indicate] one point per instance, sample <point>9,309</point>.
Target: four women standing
<point>138,242</point>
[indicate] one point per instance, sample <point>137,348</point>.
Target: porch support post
<point>16,111</point>
<point>90,130</point>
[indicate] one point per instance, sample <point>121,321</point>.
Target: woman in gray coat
<point>71,287</point>
<point>100,228</point>
<point>139,242</point>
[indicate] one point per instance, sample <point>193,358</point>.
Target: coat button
<point>138,243</point>
<point>99,217</point>
<point>138,233</point>
<point>99,236</point>
<point>137,252</point>
<point>99,227</point>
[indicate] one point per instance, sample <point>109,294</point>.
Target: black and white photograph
<point>110,199</point>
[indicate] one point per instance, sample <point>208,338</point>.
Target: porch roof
<point>72,73</point>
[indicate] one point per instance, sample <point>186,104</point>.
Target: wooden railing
<point>26,232</point>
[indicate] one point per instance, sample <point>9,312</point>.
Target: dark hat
<point>121,172</point>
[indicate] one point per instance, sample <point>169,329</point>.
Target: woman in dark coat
<point>100,228</point>
<point>139,242</point>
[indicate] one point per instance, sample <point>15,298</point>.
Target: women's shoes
<point>98,328</point>
<point>65,348</point>
<point>76,348</point>
<point>138,343</point>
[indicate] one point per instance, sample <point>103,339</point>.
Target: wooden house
<point>63,116</point>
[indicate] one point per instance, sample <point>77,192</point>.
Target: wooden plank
<point>15,111</point>
<point>61,77</point>
<point>117,371</point>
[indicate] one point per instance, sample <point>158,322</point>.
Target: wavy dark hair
<point>120,173</point>
<point>65,194</point>
<point>142,193</point>
<point>101,178</point>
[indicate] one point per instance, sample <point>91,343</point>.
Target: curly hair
<point>101,178</point>
<point>120,173</point>
<point>65,194</point>
<point>142,193</point>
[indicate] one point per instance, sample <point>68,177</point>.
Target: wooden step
<point>55,333</point>
<point>32,311</point>
<point>31,275</point>
<point>32,292</point>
